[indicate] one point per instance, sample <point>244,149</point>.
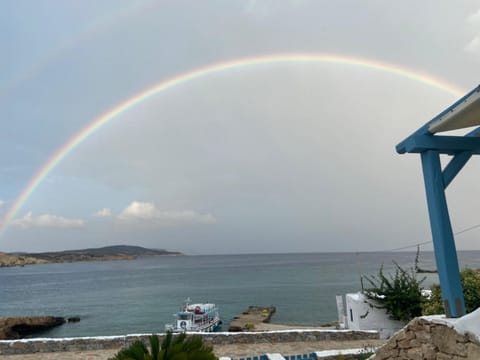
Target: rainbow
<point>165,85</point>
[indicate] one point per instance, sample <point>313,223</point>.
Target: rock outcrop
<point>19,327</point>
<point>423,339</point>
<point>251,317</point>
<point>7,260</point>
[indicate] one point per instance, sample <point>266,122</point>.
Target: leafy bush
<point>179,347</point>
<point>400,295</point>
<point>434,304</point>
<point>470,280</point>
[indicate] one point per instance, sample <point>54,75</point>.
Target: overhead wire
<point>431,241</point>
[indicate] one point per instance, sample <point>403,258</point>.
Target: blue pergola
<point>464,113</point>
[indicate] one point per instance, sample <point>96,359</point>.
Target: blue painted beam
<point>454,167</point>
<point>458,162</point>
<point>450,145</point>
<point>474,133</point>
<point>442,234</point>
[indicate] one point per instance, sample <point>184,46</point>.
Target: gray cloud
<point>473,23</point>
<point>47,220</point>
<point>147,211</point>
<point>105,212</point>
<point>474,45</point>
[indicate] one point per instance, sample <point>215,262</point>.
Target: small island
<point>108,253</point>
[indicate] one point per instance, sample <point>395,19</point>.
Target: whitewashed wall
<point>360,315</point>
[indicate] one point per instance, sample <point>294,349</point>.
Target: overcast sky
<point>283,157</point>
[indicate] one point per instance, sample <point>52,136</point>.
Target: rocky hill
<point>14,260</point>
<point>108,253</point>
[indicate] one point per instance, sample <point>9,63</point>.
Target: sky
<point>272,157</point>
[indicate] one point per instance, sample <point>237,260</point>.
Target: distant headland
<point>108,253</point>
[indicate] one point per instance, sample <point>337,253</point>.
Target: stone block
<point>423,336</point>
<point>384,354</point>
<point>443,356</point>
<point>461,350</point>
<point>417,324</point>
<point>415,354</point>
<point>404,344</point>
<point>444,338</point>
<point>461,338</point>
<point>402,355</point>
<point>473,351</point>
<point>414,343</point>
<point>401,335</point>
<point>429,351</point>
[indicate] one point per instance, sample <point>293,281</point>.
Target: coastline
<point>108,253</point>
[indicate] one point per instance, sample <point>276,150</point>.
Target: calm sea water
<point>140,296</point>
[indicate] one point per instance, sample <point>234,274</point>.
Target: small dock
<point>248,319</point>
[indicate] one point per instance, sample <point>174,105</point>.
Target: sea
<point>141,296</point>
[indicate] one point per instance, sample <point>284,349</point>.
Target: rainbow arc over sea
<point>164,85</point>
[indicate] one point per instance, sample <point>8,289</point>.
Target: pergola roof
<point>426,142</point>
<point>462,114</point>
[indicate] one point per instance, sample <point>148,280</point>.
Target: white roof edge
<point>460,116</point>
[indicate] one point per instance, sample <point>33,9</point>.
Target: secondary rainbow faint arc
<point>164,85</point>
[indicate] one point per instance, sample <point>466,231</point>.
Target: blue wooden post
<point>443,241</point>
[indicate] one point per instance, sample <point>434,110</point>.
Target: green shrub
<point>470,280</point>
<point>433,305</point>
<point>179,347</point>
<point>400,294</point>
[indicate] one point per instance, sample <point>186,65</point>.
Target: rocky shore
<point>19,327</point>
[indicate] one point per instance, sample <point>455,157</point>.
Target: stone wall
<point>426,340</point>
<point>25,346</point>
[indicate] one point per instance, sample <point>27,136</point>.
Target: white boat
<point>196,318</point>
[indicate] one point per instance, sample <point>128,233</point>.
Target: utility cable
<point>431,241</point>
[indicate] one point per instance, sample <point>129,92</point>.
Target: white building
<point>361,314</point>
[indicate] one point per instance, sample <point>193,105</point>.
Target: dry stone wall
<point>24,346</point>
<point>422,339</point>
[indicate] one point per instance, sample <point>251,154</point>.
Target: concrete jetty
<point>251,317</point>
